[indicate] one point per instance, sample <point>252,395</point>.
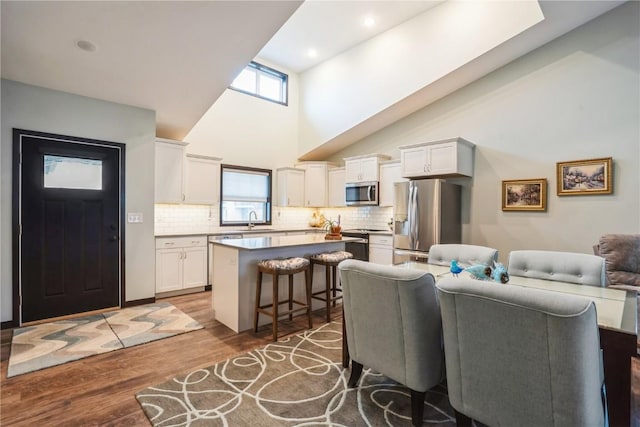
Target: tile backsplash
<point>170,219</point>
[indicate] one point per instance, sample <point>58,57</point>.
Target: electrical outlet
<point>134,217</point>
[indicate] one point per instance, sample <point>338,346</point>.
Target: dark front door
<point>69,212</point>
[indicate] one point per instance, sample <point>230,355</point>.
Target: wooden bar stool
<point>330,260</point>
<point>277,268</point>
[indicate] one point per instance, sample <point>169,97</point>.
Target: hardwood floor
<point>100,390</point>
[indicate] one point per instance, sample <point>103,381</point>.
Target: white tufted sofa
<point>569,267</point>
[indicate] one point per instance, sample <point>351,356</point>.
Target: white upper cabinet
<point>169,166</point>
<point>181,178</point>
<point>290,183</point>
<point>336,187</point>
<point>201,179</point>
<point>447,158</point>
<point>390,173</point>
<point>316,191</point>
<point>363,168</point>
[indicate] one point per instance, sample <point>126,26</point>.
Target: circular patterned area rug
<point>295,382</point>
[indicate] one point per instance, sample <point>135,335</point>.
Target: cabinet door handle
<point>185,255</point>
<point>288,201</point>
<point>169,243</point>
<point>183,197</point>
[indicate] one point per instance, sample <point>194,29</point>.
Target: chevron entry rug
<point>50,344</point>
<point>298,381</point>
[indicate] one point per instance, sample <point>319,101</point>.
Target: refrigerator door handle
<point>413,216</point>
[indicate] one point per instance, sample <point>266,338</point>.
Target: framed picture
<point>583,177</point>
<point>524,195</point>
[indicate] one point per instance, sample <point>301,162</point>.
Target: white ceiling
<point>178,57</point>
<point>173,57</point>
<point>332,26</point>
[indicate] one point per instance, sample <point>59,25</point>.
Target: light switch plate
<point>134,217</point>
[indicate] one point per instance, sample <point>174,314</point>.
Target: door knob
<point>114,238</point>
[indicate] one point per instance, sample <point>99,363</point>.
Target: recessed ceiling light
<point>369,21</point>
<point>312,53</point>
<point>86,45</point>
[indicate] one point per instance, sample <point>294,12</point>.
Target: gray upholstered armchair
<point>393,326</point>
<point>621,253</point>
<point>465,254</point>
<point>583,269</point>
<point>521,356</point>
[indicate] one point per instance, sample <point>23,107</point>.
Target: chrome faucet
<point>251,224</point>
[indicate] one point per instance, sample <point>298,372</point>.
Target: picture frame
<point>524,194</point>
<point>585,177</point>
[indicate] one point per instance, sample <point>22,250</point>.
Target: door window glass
<point>72,172</point>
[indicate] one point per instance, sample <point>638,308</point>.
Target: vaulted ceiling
<point>178,57</point>
<point>173,57</point>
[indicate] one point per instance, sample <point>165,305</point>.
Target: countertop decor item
<point>333,230</point>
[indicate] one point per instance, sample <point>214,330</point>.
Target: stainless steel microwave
<point>362,193</point>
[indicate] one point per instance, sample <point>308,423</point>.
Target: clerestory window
<point>263,82</point>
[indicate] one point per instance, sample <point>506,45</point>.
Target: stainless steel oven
<point>359,249</point>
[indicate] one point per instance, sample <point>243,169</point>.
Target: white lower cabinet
<point>381,249</point>
<point>181,263</point>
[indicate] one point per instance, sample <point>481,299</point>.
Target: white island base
<point>235,274</point>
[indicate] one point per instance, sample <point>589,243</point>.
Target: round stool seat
<point>285,264</point>
<point>332,257</point>
<point>276,268</point>
<point>332,291</point>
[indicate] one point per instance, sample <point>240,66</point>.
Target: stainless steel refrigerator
<point>426,212</point>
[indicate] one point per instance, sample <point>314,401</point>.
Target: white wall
<point>35,108</point>
<point>361,82</point>
<point>249,131</point>
<point>578,97</point>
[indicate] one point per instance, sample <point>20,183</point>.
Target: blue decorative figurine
<point>455,268</point>
<point>479,271</point>
<point>499,273</point>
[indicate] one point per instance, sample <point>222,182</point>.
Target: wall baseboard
<point>8,324</point>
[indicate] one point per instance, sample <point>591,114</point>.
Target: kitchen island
<point>235,273</point>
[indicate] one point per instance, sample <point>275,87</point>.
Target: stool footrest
<point>284,312</point>
<point>320,296</point>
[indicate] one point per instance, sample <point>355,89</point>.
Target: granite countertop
<point>280,241</point>
<point>222,231</point>
<point>246,232</point>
